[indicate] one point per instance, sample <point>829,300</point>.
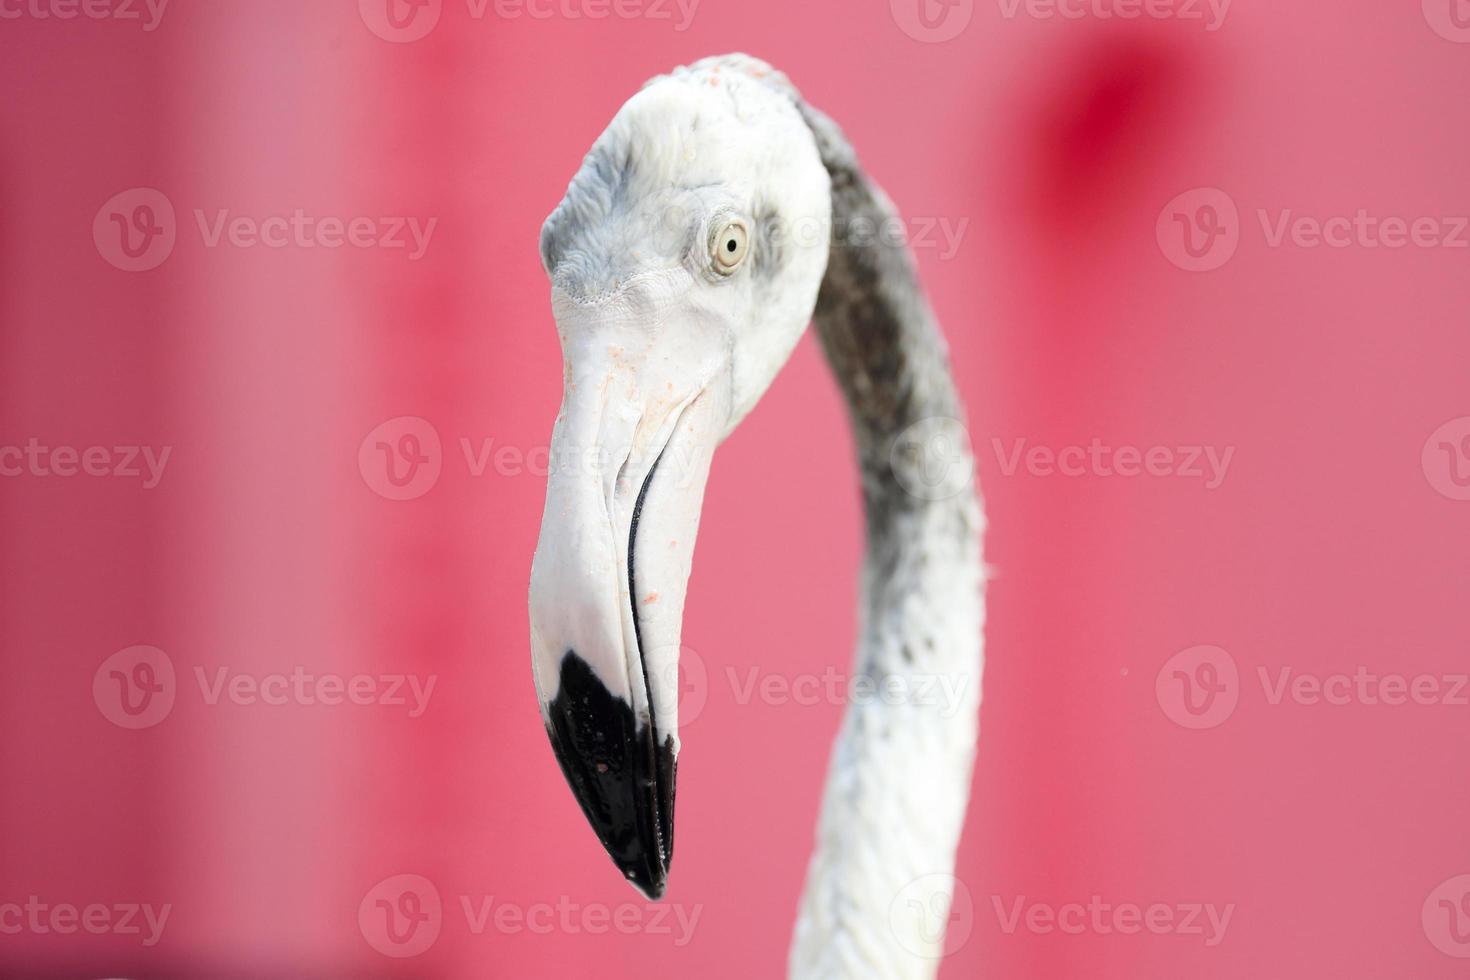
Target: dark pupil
<point>731,245</point>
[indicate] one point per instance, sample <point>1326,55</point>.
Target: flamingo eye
<point>730,245</point>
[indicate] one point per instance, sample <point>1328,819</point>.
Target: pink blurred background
<point>1334,543</point>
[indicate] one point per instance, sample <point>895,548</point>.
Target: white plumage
<point>671,331</point>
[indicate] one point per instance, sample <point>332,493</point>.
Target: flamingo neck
<point>878,889</point>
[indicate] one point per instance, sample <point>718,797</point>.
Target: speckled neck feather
<point>878,888</point>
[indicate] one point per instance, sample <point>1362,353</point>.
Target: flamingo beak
<point>630,457</point>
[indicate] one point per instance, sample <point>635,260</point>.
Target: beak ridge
<point>608,583</point>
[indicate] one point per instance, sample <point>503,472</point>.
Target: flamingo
<point>715,217</point>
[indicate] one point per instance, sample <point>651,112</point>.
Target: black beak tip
<point>649,877</point>
<point>622,778</point>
